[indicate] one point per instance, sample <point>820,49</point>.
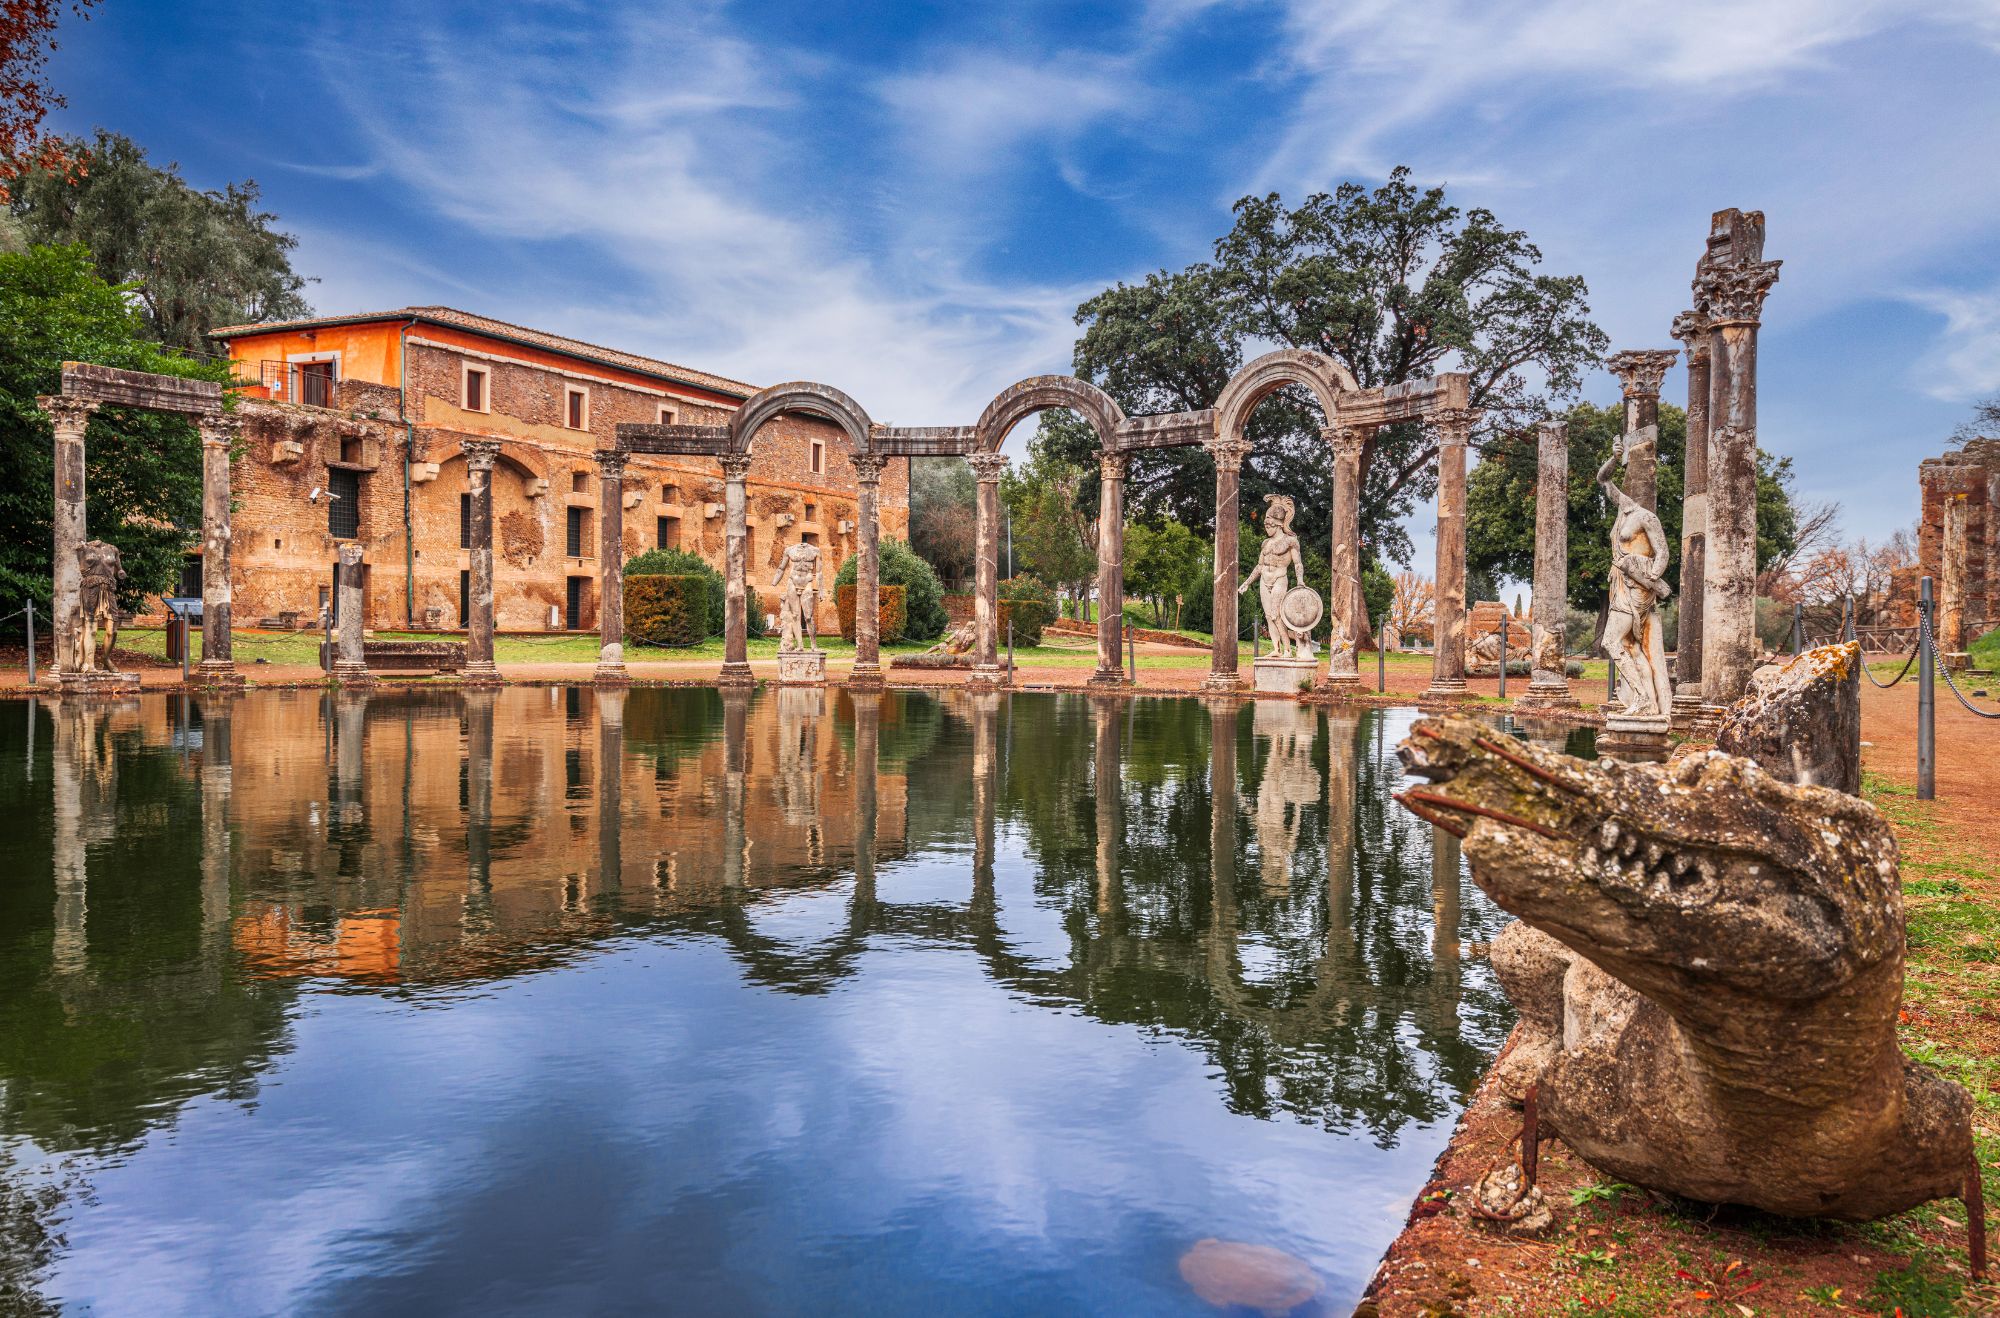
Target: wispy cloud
<point>1967,366</point>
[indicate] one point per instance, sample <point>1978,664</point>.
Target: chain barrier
<point>1908,664</point>
<point>1945,673</point>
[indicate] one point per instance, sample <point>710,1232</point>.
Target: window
<point>573,610</point>
<point>343,506</point>
<point>577,523</point>
<point>670,532</point>
<point>191,577</point>
<point>465,521</point>
<point>354,451</point>
<point>316,384</point>
<point>579,482</point>
<point>818,457</point>
<point>666,416</point>
<point>670,493</point>
<point>812,511</point>
<point>576,408</point>
<point>475,389</point>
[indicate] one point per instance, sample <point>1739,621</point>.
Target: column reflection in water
<point>610,788</point>
<point>1107,777</point>
<point>479,704</point>
<point>735,788</point>
<point>867,765</point>
<point>1342,750</point>
<point>217,776</point>
<point>1290,783</point>
<point>1446,965</point>
<point>1222,719</point>
<point>350,714</point>
<point>985,711</point>
<point>75,761</point>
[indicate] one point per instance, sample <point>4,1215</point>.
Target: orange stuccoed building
<point>352,432</point>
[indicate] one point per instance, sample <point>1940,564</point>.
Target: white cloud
<point>1967,366</point>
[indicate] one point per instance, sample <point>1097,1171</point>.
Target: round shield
<point>1302,609</point>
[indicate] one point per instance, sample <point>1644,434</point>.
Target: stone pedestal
<point>987,675</point>
<point>1687,710</point>
<point>220,674</point>
<point>1636,739</point>
<point>802,667</point>
<point>98,684</point>
<point>1543,697</point>
<point>1284,677</point>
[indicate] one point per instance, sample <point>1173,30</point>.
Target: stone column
<point>610,789</point>
<point>1111,469</point>
<point>218,666</point>
<point>1453,427</point>
<point>735,601</point>
<point>1641,372</point>
<point>1548,686</point>
<point>1953,560</point>
<point>867,671</point>
<point>1691,328</point>
<point>1229,455</point>
<point>610,567</point>
<point>479,666</point>
<point>1348,606</point>
<point>350,662</point>
<point>71,417</point>
<point>1735,300</point>
<point>987,468</point>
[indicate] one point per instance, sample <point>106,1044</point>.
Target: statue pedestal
<point>97,683</point>
<point>1547,695</point>
<point>1284,677</point>
<point>1636,738</point>
<point>802,668</point>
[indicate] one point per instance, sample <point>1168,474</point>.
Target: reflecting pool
<point>560,1001</point>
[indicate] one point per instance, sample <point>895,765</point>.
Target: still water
<point>557,1001</point>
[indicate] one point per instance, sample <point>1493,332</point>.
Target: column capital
<point>218,431</point>
<point>611,463</point>
<point>1691,328</point>
<point>1453,425</point>
<point>868,467</point>
<point>1229,453</point>
<point>1642,370</point>
<point>1346,440</point>
<point>67,412</point>
<point>735,466</point>
<point>1113,466</point>
<point>480,453</point>
<point>987,468</point>
<point>1735,294</point>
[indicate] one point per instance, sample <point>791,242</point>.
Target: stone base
<point>482,673</point>
<point>865,677</point>
<point>1686,710</point>
<point>347,673</point>
<point>1338,686</point>
<point>987,675</point>
<point>95,683</point>
<point>1109,678</point>
<point>1706,721</point>
<point>615,674</point>
<point>802,667</point>
<point>1958,661</point>
<point>1223,684</point>
<point>1283,677</point>
<point>1444,689</point>
<point>215,673</point>
<point>1636,738</point>
<point>736,675</point>
<point>1554,695</point>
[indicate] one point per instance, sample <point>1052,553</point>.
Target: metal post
<point>31,643</point>
<point>326,638</point>
<point>1381,663</point>
<point>187,643</point>
<point>1926,698</point>
<point>1132,656</point>
<point>1503,656</point>
<point>1610,679</point>
<point>1798,627</point>
<point>1847,618</point>
<point>1010,649</point>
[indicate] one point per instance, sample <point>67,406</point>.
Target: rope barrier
<point>1945,673</point>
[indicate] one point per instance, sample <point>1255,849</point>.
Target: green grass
<point>1986,651</point>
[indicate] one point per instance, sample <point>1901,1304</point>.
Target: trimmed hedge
<point>889,618</point>
<point>1030,605</point>
<point>899,565</point>
<point>684,563</point>
<point>667,610</point>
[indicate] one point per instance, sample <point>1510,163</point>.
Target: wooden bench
<point>414,656</point>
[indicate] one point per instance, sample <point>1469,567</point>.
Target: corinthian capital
<point>735,466</point>
<point>1228,453</point>
<point>71,414</point>
<point>218,431</point>
<point>611,463</point>
<point>1641,370</point>
<point>1346,441</point>
<point>480,453</point>
<point>868,467</point>
<point>1691,328</point>
<point>1452,425</point>
<point>1735,294</point>
<point>987,468</point>
<point>1113,466</point>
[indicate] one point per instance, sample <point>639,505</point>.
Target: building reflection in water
<point>413,841</point>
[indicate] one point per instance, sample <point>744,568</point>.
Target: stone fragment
<point>1801,722</point>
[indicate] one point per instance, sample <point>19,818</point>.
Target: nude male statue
<point>798,607</point>
<point>1633,634</point>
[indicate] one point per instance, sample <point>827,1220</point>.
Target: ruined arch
<point>820,400</point>
<point>1039,393</point>
<point>1257,380</point>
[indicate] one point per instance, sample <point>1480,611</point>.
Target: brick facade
<point>1971,473</point>
<point>284,542</point>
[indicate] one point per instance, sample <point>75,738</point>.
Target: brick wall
<point>1974,473</point>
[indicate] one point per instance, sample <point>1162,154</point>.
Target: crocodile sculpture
<point>1729,976</point>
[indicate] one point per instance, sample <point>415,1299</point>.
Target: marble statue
<point>1277,561</point>
<point>798,608</point>
<point>102,568</point>
<point>957,640</point>
<point>1389,638</point>
<point>1633,633</point>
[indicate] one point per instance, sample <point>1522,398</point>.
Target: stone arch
<point>820,400</point>
<point>1257,380</point>
<point>1039,393</point>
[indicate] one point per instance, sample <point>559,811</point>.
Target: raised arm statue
<point>1633,632</point>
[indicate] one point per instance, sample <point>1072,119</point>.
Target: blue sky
<point>908,201</point>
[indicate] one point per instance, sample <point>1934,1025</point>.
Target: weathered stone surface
<point>1284,676</point>
<point>1729,1025</point>
<point>1453,427</point>
<point>801,667</point>
<point>1801,721</point>
<point>1530,966</point>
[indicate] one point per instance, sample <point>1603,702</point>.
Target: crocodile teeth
<point>1609,834</point>
<point>1653,853</point>
<point>1681,862</point>
<point>1628,845</point>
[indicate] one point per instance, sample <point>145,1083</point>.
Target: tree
<point>1165,563</point>
<point>944,521</point>
<point>1500,502</point>
<point>143,472</point>
<point>1395,284</point>
<point>1983,424</point>
<point>196,259</point>
<point>1053,536</point>
<point>1413,607</point>
<point>923,596</point>
<point>27,36</point>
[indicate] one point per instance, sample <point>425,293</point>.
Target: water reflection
<point>198,885</point>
